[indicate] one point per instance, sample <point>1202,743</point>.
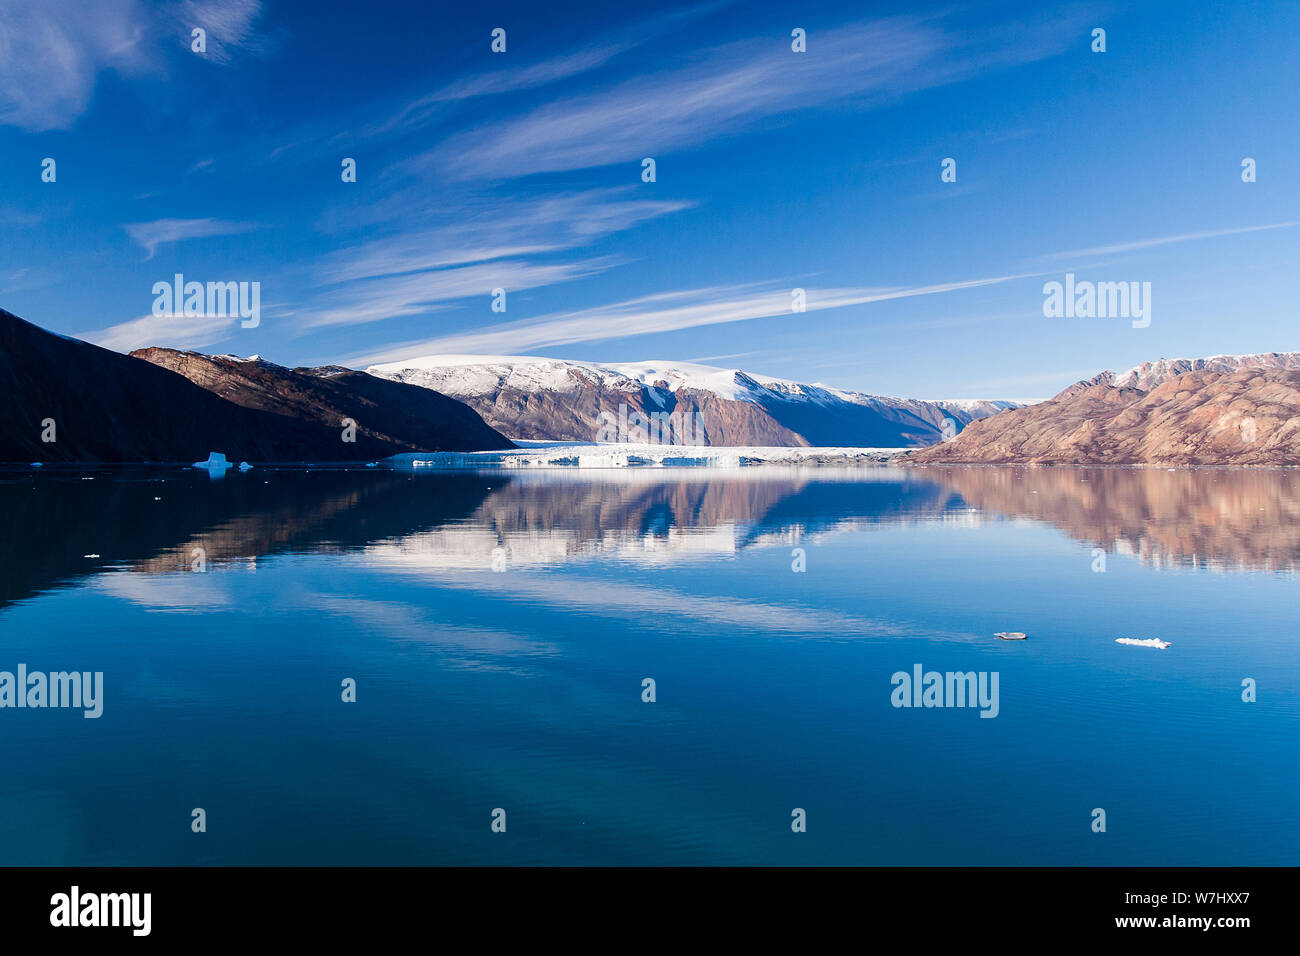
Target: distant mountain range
<point>1150,374</point>
<point>1223,410</point>
<point>552,399</point>
<point>70,401</point>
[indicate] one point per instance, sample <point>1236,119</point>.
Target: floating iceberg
<point>1135,642</point>
<point>38,464</point>
<point>215,460</point>
<point>1010,635</point>
<point>245,466</point>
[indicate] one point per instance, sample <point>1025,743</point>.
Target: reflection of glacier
<point>536,519</point>
<point>160,520</point>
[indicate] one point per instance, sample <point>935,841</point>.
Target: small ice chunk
<point>245,466</point>
<point>215,460</point>
<point>1149,642</point>
<point>38,464</point>
<point>1010,635</point>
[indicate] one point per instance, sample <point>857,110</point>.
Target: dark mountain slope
<point>108,407</point>
<point>400,417</point>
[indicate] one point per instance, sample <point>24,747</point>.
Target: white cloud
<point>477,246</point>
<point>151,235</point>
<point>228,24</point>
<point>422,110</point>
<point>389,297</point>
<point>508,77</point>
<point>168,331</point>
<point>733,85</point>
<point>52,51</point>
<point>663,312</point>
<point>483,230</point>
<point>1140,244</point>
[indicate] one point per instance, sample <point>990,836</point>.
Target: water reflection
<point>1221,519</point>
<point>65,525</point>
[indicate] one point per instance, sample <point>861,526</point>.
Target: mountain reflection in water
<point>478,689</point>
<point>1234,520</point>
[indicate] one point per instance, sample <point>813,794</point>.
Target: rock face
<point>108,407</point>
<point>390,417</point>
<point>555,400</point>
<point>1247,417</point>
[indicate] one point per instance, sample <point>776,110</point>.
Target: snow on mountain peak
<point>1148,375</point>
<point>469,375</point>
<point>477,374</point>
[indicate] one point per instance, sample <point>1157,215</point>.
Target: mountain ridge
<point>388,417</point>
<point>1148,375</point>
<point>73,401</point>
<point>538,398</point>
<point>1250,416</point>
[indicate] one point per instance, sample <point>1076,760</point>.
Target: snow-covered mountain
<point>535,398</point>
<point>1149,375</point>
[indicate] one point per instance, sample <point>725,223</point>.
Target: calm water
<point>520,687</point>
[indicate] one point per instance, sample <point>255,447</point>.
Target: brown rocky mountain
<point>101,406</point>
<point>559,400</point>
<point>1246,417</point>
<point>1150,374</point>
<point>390,417</point>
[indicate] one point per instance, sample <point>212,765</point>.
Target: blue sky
<point>775,170</point>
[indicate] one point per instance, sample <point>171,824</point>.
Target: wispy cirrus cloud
<point>662,312</point>
<point>227,23</point>
<point>477,247</point>
<point>542,73</point>
<point>151,235</point>
<point>164,331</point>
<point>53,51</point>
<point>479,230</point>
<point>721,89</point>
<point>387,297</point>
<point>420,111</point>
<point>1141,244</point>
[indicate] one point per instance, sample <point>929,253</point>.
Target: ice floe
<point>1148,642</point>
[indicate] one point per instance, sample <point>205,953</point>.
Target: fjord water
<point>499,627</point>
